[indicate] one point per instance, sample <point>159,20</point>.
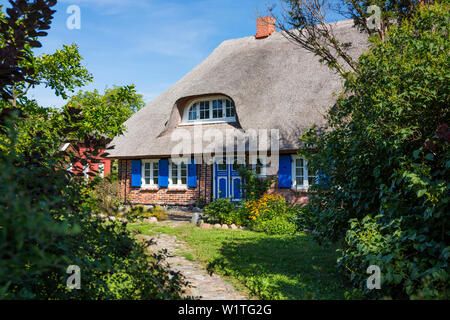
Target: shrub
<point>158,212</point>
<point>387,156</point>
<point>106,194</point>
<point>253,186</point>
<point>47,223</point>
<point>223,211</point>
<point>271,214</point>
<point>140,212</point>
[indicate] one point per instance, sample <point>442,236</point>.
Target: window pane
<point>193,112</point>
<point>204,110</point>
<point>230,112</point>
<point>299,181</point>
<point>222,166</point>
<point>299,163</point>
<point>155,173</point>
<point>174,173</point>
<point>217,109</point>
<point>183,173</point>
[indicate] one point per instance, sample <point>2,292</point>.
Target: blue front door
<point>227,180</point>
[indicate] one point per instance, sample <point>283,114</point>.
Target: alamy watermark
<point>206,145</point>
<point>74,280</point>
<point>374,281</point>
<point>374,21</point>
<point>74,20</point>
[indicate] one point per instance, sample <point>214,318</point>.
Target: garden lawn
<point>268,267</point>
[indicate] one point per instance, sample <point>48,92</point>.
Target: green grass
<point>152,229</point>
<point>268,267</point>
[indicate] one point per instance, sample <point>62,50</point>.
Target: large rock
<point>224,226</point>
<point>217,226</point>
<point>234,227</point>
<point>195,218</point>
<point>205,226</point>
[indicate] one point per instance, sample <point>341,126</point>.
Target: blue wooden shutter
<point>163,173</point>
<point>285,172</point>
<point>192,174</point>
<point>136,173</point>
<point>322,178</point>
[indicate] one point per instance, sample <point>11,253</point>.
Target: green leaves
<point>62,71</point>
<point>386,151</point>
<point>105,113</point>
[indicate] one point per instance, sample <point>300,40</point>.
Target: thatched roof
<point>274,83</point>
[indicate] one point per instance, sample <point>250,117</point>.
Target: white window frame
<point>101,169</point>
<point>179,183</point>
<point>86,171</point>
<point>211,99</point>
<point>305,185</point>
<point>152,172</point>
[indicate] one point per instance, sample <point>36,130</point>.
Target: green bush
<point>140,212</point>
<point>223,211</point>
<point>48,221</point>
<point>271,214</point>
<point>276,225</point>
<point>158,212</point>
<point>253,186</point>
<point>106,194</point>
<point>385,194</point>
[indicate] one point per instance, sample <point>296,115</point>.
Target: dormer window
<point>214,109</point>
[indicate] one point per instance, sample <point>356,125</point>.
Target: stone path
<point>204,286</point>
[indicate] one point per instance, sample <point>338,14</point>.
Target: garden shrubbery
<point>270,214</point>
<point>225,212</point>
<point>388,162</point>
<point>47,223</point>
<point>106,194</point>
<point>259,211</point>
<point>140,212</point>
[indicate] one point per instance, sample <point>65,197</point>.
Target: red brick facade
<point>189,196</point>
<point>166,196</point>
<point>87,153</point>
<point>293,197</point>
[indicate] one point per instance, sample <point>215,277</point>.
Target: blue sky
<point>151,43</point>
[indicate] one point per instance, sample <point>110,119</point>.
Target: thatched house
<point>259,82</point>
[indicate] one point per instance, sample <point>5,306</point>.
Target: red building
<point>94,162</point>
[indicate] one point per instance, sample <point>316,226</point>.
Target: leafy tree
<point>48,220</point>
<point>19,33</point>
<point>105,114</point>
<point>386,187</point>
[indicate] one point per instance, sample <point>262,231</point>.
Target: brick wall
<point>299,197</point>
<point>82,152</point>
<point>166,196</point>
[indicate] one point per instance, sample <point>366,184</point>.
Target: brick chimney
<point>265,26</point>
